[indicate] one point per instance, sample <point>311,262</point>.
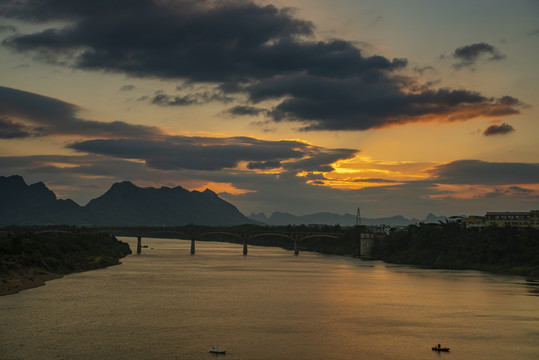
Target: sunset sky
<point>300,106</point>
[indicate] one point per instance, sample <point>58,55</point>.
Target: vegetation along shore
<point>503,250</point>
<point>29,259</point>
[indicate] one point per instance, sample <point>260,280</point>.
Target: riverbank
<point>510,251</point>
<point>507,251</point>
<point>29,260</point>
<point>14,282</point>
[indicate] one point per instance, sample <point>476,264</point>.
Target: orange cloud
<point>223,187</point>
<point>363,172</point>
<point>466,191</point>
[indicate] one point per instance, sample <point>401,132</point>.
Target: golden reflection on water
<point>168,304</point>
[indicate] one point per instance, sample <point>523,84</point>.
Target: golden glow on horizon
<point>466,191</point>
<point>223,187</point>
<point>350,185</point>
<point>61,165</point>
<point>362,172</point>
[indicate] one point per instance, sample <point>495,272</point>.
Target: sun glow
<point>223,188</point>
<point>362,172</point>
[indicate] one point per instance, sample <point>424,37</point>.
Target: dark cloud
<point>166,100</point>
<point>204,153</point>
<point>128,87</point>
<point>264,165</point>
<point>320,160</point>
<point>502,129</point>
<point>423,69</point>
<point>11,130</point>
<point>162,99</point>
<point>534,32</point>
<point>50,116</point>
<point>198,40</point>
<point>355,104</point>
<point>521,190</point>
<point>242,110</point>
<point>7,28</point>
<point>486,173</point>
<point>259,51</point>
<point>469,55</point>
<point>515,191</point>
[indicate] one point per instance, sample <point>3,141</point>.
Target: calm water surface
<point>168,304</point>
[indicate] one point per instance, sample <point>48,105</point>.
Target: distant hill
<point>128,204</point>
<point>24,204</point>
<point>326,218</point>
<point>123,204</point>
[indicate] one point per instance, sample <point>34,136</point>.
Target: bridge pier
<point>296,247</point>
<point>367,242</point>
<point>139,244</point>
<point>192,246</point>
<point>244,247</point>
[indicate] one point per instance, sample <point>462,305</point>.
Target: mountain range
<point>126,204</point>
<point>279,218</point>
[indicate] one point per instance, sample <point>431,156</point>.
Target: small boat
<point>439,348</point>
<point>216,350</point>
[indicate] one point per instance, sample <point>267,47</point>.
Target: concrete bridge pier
<point>296,247</point>
<point>367,243</point>
<point>192,246</point>
<point>244,247</point>
<point>139,244</point>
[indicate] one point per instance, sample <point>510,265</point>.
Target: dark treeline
<point>501,250</point>
<point>59,252</point>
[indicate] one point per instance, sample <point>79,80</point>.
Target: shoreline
<point>15,282</point>
<point>30,260</point>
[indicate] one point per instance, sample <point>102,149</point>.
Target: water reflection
<point>168,304</point>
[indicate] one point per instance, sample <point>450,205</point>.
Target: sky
<point>395,107</point>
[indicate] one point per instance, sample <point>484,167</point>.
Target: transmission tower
<point>358,217</point>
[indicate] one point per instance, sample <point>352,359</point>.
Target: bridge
<point>244,237</point>
<point>366,241</point>
<point>293,236</point>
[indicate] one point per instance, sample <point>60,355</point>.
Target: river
<point>168,304</point>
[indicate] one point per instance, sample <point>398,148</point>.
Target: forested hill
<point>500,250</point>
<point>29,259</point>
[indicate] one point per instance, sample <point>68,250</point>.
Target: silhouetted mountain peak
<point>431,218</point>
<point>13,189</point>
<point>327,218</point>
<point>24,204</point>
<point>13,179</point>
<point>209,192</point>
<point>128,204</point>
<point>123,204</point>
<point>259,217</point>
<point>124,185</point>
<point>41,188</point>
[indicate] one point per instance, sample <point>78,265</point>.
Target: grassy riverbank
<point>505,250</point>
<point>28,260</point>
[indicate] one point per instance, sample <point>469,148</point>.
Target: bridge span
<point>355,241</point>
<point>365,241</point>
<point>244,237</point>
